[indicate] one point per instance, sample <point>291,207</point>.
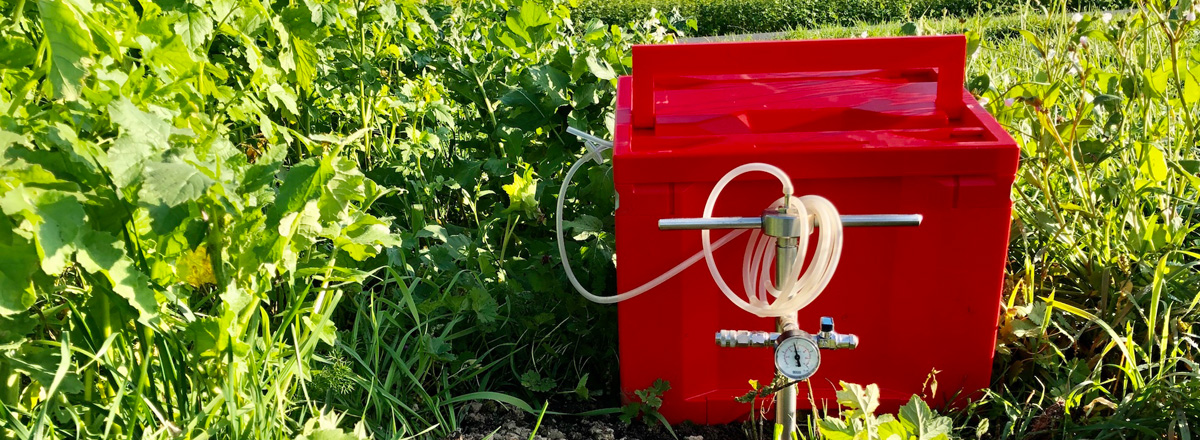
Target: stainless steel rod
<point>785,399</point>
<point>672,224</point>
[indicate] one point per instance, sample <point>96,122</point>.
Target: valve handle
<point>826,324</point>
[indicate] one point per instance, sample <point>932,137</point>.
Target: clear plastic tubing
<point>762,297</point>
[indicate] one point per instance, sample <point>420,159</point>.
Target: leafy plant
<point>858,420</point>
<point>724,17</point>
<point>648,403</point>
<point>193,191</point>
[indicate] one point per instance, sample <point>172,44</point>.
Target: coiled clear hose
<point>762,296</point>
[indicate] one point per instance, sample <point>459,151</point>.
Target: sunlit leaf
<point>173,183</point>
<point>70,46</point>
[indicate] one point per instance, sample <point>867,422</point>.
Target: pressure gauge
<point>797,356</point>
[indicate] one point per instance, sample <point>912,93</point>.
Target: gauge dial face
<point>797,357</point>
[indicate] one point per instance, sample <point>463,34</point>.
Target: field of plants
<point>324,219</point>
<point>723,17</point>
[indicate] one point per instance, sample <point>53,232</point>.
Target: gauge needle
<point>798,363</point>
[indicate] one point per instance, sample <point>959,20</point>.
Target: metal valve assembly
<point>826,339</point>
<point>797,353</point>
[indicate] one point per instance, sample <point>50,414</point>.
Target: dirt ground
<point>496,421</point>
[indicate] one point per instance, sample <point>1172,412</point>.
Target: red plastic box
<point>877,126</point>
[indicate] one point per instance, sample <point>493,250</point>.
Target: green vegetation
<point>1001,33</point>
<point>243,219</point>
<point>328,219</point>
<point>1097,338</point>
<point>723,17</point>
<point>858,419</point>
<point>1103,286</point>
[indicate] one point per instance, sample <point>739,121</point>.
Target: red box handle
<point>945,53</point>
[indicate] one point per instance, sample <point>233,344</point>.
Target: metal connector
<point>828,339</point>
<point>746,338</point>
<point>595,145</point>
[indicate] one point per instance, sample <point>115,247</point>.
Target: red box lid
<point>846,108</point>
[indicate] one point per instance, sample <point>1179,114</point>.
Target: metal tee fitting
<point>783,223</point>
<point>828,339</point>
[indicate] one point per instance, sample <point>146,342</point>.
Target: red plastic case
<point>877,126</point>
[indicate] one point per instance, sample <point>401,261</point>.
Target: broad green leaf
<point>550,82</point>
<point>974,42</point>
<point>585,226</point>
<point>345,187</point>
<point>143,135</point>
<point>298,231</point>
<point>8,138</point>
<point>1156,82</point>
<point>858,399</point>
<point>194,26</point>
<point>282,98</point>
<point>14,329</point>
<point>303,182</point>
<point>172,183</point>
<point>387,13</point>
<point>300,20</point>
<point>16,52</point>
<point>226,10</point>
<point>104,254</point>
<point>165,219</point>
<point>126,160</point>
<point>581,389</point>
<point>208,341</point>
<point>70,45</point>
<point>18,263</point>
<point>305,58</point>
<point>1034,41</point>
<point>322,328</point>
<point>195,267</point>
<point>1191,85</point>
<point>600,68</point>
<point>437,347</point>
<point>533,14</point>
<point>303,225</point>
<point>892,430</point>
<point>487,310</point>
<point>173,55</point>
<point>53,217</point>
<point>365,238</point>
<point>434,231</point>
<point>1153,167</point>
<point>513,21</point>
<point>596,32</point>
<point>918,419</point>
<point>835,429</point>
<point>41,364</point>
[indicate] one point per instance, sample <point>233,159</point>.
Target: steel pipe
<point>674,224</point>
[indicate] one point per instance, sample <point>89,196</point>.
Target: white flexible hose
<point>759,290</point>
